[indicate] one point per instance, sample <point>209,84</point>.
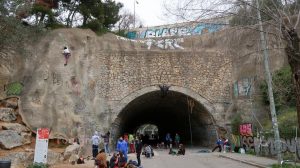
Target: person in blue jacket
<point>123,147</point>
<point>219,145</point>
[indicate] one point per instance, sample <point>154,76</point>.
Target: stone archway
<point>169,113</point>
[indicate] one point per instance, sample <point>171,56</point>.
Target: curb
<point>249,163</point>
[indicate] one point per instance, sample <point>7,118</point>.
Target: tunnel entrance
<point>171,114</point>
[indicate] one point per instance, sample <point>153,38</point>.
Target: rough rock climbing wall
<point>85,95</point>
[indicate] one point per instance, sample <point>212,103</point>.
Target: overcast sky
<point>149,11</point>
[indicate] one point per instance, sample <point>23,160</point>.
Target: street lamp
<point>134,2</point>
<point>191,105</point>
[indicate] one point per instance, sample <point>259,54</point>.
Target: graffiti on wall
<point>188,30</point>
<point>246,134</point>
<point>246,129</point>
<point>268,147</point>
<point>243,87</point>
<point>165,43</point>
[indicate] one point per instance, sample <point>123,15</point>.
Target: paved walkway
<point>249,159</point>
<point>194,159</point>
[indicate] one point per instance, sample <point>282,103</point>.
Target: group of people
<point>129,144</point>
<point>222,143</point>
<point>96,142</point>
<point>119,158</point>
<point>169,140</point>
<point>181,150</point>
<point>135,145</point>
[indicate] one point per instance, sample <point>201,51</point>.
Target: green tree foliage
<point>284,89</point>
<point>235,124</point>
<point>14,89</point>
<point>287,123</point>
<point>111,13</point>
<point>99,15</point>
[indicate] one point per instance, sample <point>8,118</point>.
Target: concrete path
<point>249,159</point>
<point>193,159</point>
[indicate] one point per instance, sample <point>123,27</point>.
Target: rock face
<point>73,149</point>
<point>7,114</point>
<point>11,102</point>
<point>10,139</point>
<point>20,159</point>
<point>53,157</point>
<point>23,159</point>
<point>14,126</point>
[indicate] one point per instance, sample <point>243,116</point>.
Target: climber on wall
<point>67,55</point>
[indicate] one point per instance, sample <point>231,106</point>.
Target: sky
<point>150,12</point>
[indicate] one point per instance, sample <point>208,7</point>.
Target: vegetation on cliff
<point>97,15</point>
<point>285,100</point>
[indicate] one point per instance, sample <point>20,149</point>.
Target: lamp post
<point>191,105</point>
<point>134,1</point>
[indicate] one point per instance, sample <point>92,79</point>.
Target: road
<point>162,159</point>
<point>192,159</point>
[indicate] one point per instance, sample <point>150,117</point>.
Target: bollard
<point>5,163</point>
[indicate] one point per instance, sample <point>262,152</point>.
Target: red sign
<point>43,133</point>
<point>246,129</point>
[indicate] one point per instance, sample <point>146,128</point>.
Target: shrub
<point>287,123</point>
<point>38,165</point>
<point>235,124</point>
<point>14,89</point>
<point>283,89</point>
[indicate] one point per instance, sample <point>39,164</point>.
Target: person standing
<point>95,144</point>
<point>168,139</point>
<point>122,146</point>
<point>138,150</point>
<point>106,142</point>
<point>131,143</point>
<point>177,140</point>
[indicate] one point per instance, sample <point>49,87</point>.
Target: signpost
<point>41,145</point>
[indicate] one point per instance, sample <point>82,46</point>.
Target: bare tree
<point>126,22</point>
<point>283,17</point>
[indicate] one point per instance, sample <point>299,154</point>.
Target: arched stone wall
<point>126,100</point>
<point>117,111</point>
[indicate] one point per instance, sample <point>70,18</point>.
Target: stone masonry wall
<point>87,94</point>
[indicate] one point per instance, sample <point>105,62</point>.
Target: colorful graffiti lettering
<point>246,130</point>
<point>247,139</point>
<point>188,30</point>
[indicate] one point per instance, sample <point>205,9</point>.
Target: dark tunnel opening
<point>171,115</point>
